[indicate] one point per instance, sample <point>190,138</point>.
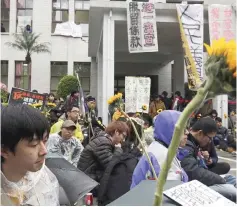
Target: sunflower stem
<point>178,132</point>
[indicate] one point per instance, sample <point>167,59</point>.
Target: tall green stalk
<point>142,145</point>
<point>178,132</point>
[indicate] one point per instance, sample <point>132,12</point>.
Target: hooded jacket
<point>164,128</point>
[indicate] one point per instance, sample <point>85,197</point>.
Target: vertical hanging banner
<point>190,19</point>
<point>222,22</point>
<point>142,31</point>
<point>137,90</point>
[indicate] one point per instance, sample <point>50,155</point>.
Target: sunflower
<point>159,111</point>
<point>115,98</point>
<point>144,107</point>
<point>221,48</point>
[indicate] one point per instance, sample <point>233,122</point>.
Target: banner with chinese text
<point>21,96</point>
<point>137,94</point>
<point>190,19</point>
<point>222,22</point>
<point>142,31</point>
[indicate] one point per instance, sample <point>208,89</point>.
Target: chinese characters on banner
<point>137,90</point>
<point>191,27</point>
<point>21,96</point>
<point>222,22</point>
<point>142,32</point>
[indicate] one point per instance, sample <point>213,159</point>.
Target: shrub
<point>66,85</point>
<point>4,96</point>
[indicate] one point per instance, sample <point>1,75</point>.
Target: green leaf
<point>227,87</point>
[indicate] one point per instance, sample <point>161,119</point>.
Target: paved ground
<point>227,157</point>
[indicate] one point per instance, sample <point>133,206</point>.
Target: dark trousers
<point>220,168</point>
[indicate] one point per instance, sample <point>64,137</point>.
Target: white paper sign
<point>191,17</point>
<point>137,90</point>
<point>194,193</point>
<point>142,31</point>
<point>68,29</point>
<point>222,22</point>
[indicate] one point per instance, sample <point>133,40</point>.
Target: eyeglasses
<point>210,138</point>
<point>78,112</point>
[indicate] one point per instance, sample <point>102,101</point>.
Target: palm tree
<point>28,42</point>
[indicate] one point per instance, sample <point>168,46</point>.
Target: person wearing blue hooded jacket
<point>163,131</point>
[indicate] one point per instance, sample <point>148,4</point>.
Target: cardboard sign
<point>137,90</point>
<point>194,193</point>
<point>21,96</point>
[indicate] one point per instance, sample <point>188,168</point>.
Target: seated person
<point>201,135</point>
<point>63,143</point>
<point>25,179</point>
<point>102,147</point>
<point>221,135</point>
<point>163,130</point>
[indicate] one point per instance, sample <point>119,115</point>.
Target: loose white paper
<point>194,193</point>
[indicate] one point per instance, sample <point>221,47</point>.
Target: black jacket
<point>117,178</point>
<point>97,154</point>
<point>191,166</point>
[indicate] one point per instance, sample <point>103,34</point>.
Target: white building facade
<point>104,56</point>
<point>67,53</point>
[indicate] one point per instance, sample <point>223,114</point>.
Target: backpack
<point>117,178</point>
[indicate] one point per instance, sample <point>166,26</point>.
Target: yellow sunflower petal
<point>208,48</point>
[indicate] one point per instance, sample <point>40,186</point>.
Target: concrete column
<point>99,82</point>
<point>41,62</point>
<point>220,104</point>
<point>12,18</point>
<point>93,77</point>
<point>71,4</point>
<point>108,63</point>
<point>11,75</point>
<point>178,73</point>
<point>165,77</point>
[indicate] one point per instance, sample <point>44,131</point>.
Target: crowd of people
<point>111,155</point>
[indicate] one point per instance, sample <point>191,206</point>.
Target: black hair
<point>164,93</point>
<point>206,124</point>
<point>21,122</point>
<point>51,94</point>
<point>34,91</point>
<point>218,119</point>
<point>69,109</point>
<point>177,93</point>
<point>214,112</point>
<point>73,92</point>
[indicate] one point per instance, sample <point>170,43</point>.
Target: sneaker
<point>234,153</point>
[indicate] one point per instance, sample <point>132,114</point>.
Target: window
<point>82,16</point>
<point>4,72</point>
<point>119,84</point>
<point>5,15</point>
<point>84,74</point>
<point>59,13</point>
<point>58,70</point>
<point>24,13</point>
<point>22,75</point>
